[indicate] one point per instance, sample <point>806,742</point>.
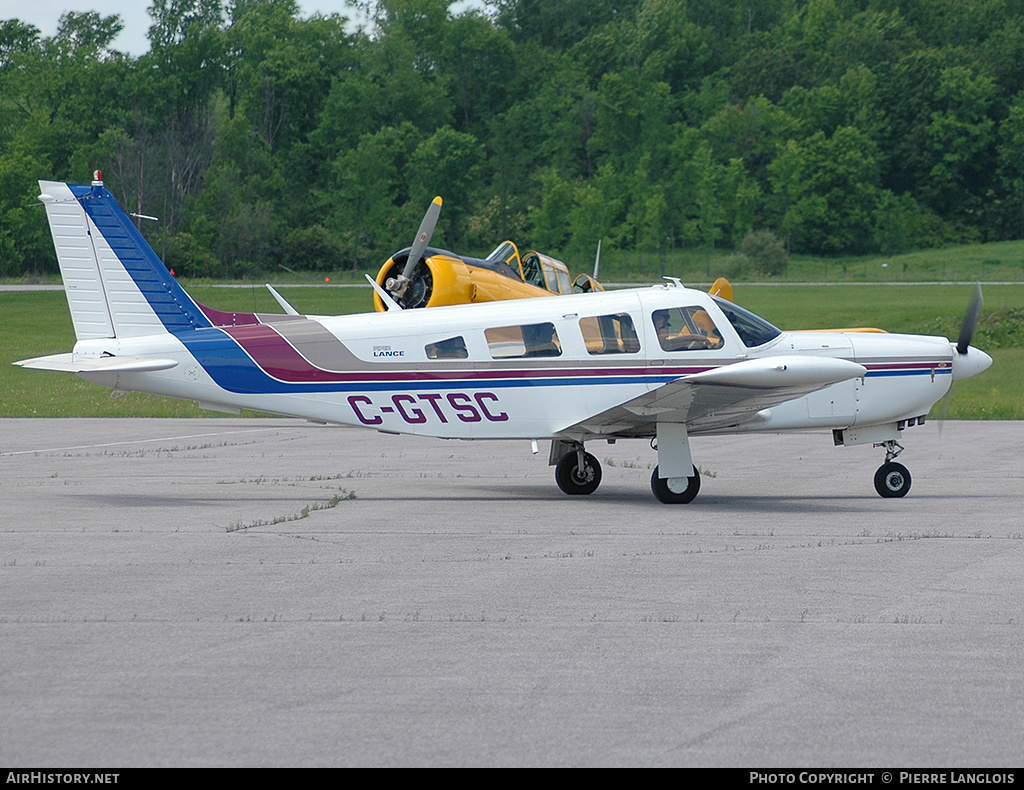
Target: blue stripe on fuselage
<point>234,370</point>
<point>871,374</point>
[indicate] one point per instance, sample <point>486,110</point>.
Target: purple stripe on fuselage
<point>223,319</point>
<point>908,368</point>
<point>278,358</point>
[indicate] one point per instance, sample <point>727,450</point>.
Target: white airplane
<point>663,363</point>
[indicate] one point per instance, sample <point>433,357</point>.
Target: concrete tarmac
<point>266,592</point>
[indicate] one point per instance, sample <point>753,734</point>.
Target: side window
<point>452,348</point>
<point>531,340</point>
<point>686,329</point>
<point>610,334</point>
<point>556,280</point>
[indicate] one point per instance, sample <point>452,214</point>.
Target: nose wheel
<point>892,479</point>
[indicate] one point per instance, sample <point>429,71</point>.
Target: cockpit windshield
<point>752,329</point>
<point>502,252</point>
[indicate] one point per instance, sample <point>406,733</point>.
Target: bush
<point>186,257</point>
<point>313,248</point>
<point>738,267</point>
<point>765,251</point>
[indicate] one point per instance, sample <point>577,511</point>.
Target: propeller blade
<point>945,408</point>
<point>963,343</point>
<point>419,246</point>
<point>970,321</point>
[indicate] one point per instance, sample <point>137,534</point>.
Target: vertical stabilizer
<point>69,226</point>
<point>116,285</point>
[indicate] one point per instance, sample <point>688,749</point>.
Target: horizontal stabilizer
<point>67,363</point>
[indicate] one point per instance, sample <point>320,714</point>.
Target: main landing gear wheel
<point>680,491</point>
<point>574,479</point>
<point>892,480</point>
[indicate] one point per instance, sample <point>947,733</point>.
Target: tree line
<point>263,139</point>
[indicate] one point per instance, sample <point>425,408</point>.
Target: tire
<point>575,481</point>
<point>892,480</point>
<point>660,487</point>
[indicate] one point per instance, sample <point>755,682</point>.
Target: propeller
<point>963,344</point>
<point>970,322</point>
<point>398,285</point>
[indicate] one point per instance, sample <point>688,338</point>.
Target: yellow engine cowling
<point>446,280</point>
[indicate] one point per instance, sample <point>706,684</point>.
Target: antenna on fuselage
<point>282,301</point>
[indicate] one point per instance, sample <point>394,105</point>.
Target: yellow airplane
<point>423,276</point>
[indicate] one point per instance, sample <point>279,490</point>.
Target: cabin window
<point>452,348</point>
<point>610,334</point>
<point>531,340</point>
<point>753,330</point>
<point>686,329</point>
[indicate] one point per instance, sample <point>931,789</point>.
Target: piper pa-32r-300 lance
<point>664,362</point>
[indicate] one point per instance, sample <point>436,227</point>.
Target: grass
<point>236,526</point>
<point>996,262</point>
<point>37,323</point>
<point>989,263</point>
<point>997,394</point>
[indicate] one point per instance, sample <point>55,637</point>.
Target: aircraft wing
<point>722,397</point>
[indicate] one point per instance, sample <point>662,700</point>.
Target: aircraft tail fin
<point>116,285</point>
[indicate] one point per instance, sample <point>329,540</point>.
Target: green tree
<point>550,218</point>
<point>447,163</point>
<point>557,24</point>
<point>1011,165</point>
<point>960,136</point>
<point>671,48</point>
<point>597,213</point>
<point>25,244</point>
<point>368,190</point>
<point>828,188</point>
<point>182,71</point>
<point>281,68</point>
<point>480,60</point>
<point>705,226</point>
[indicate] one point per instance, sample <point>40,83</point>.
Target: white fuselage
<point>466,371</point>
